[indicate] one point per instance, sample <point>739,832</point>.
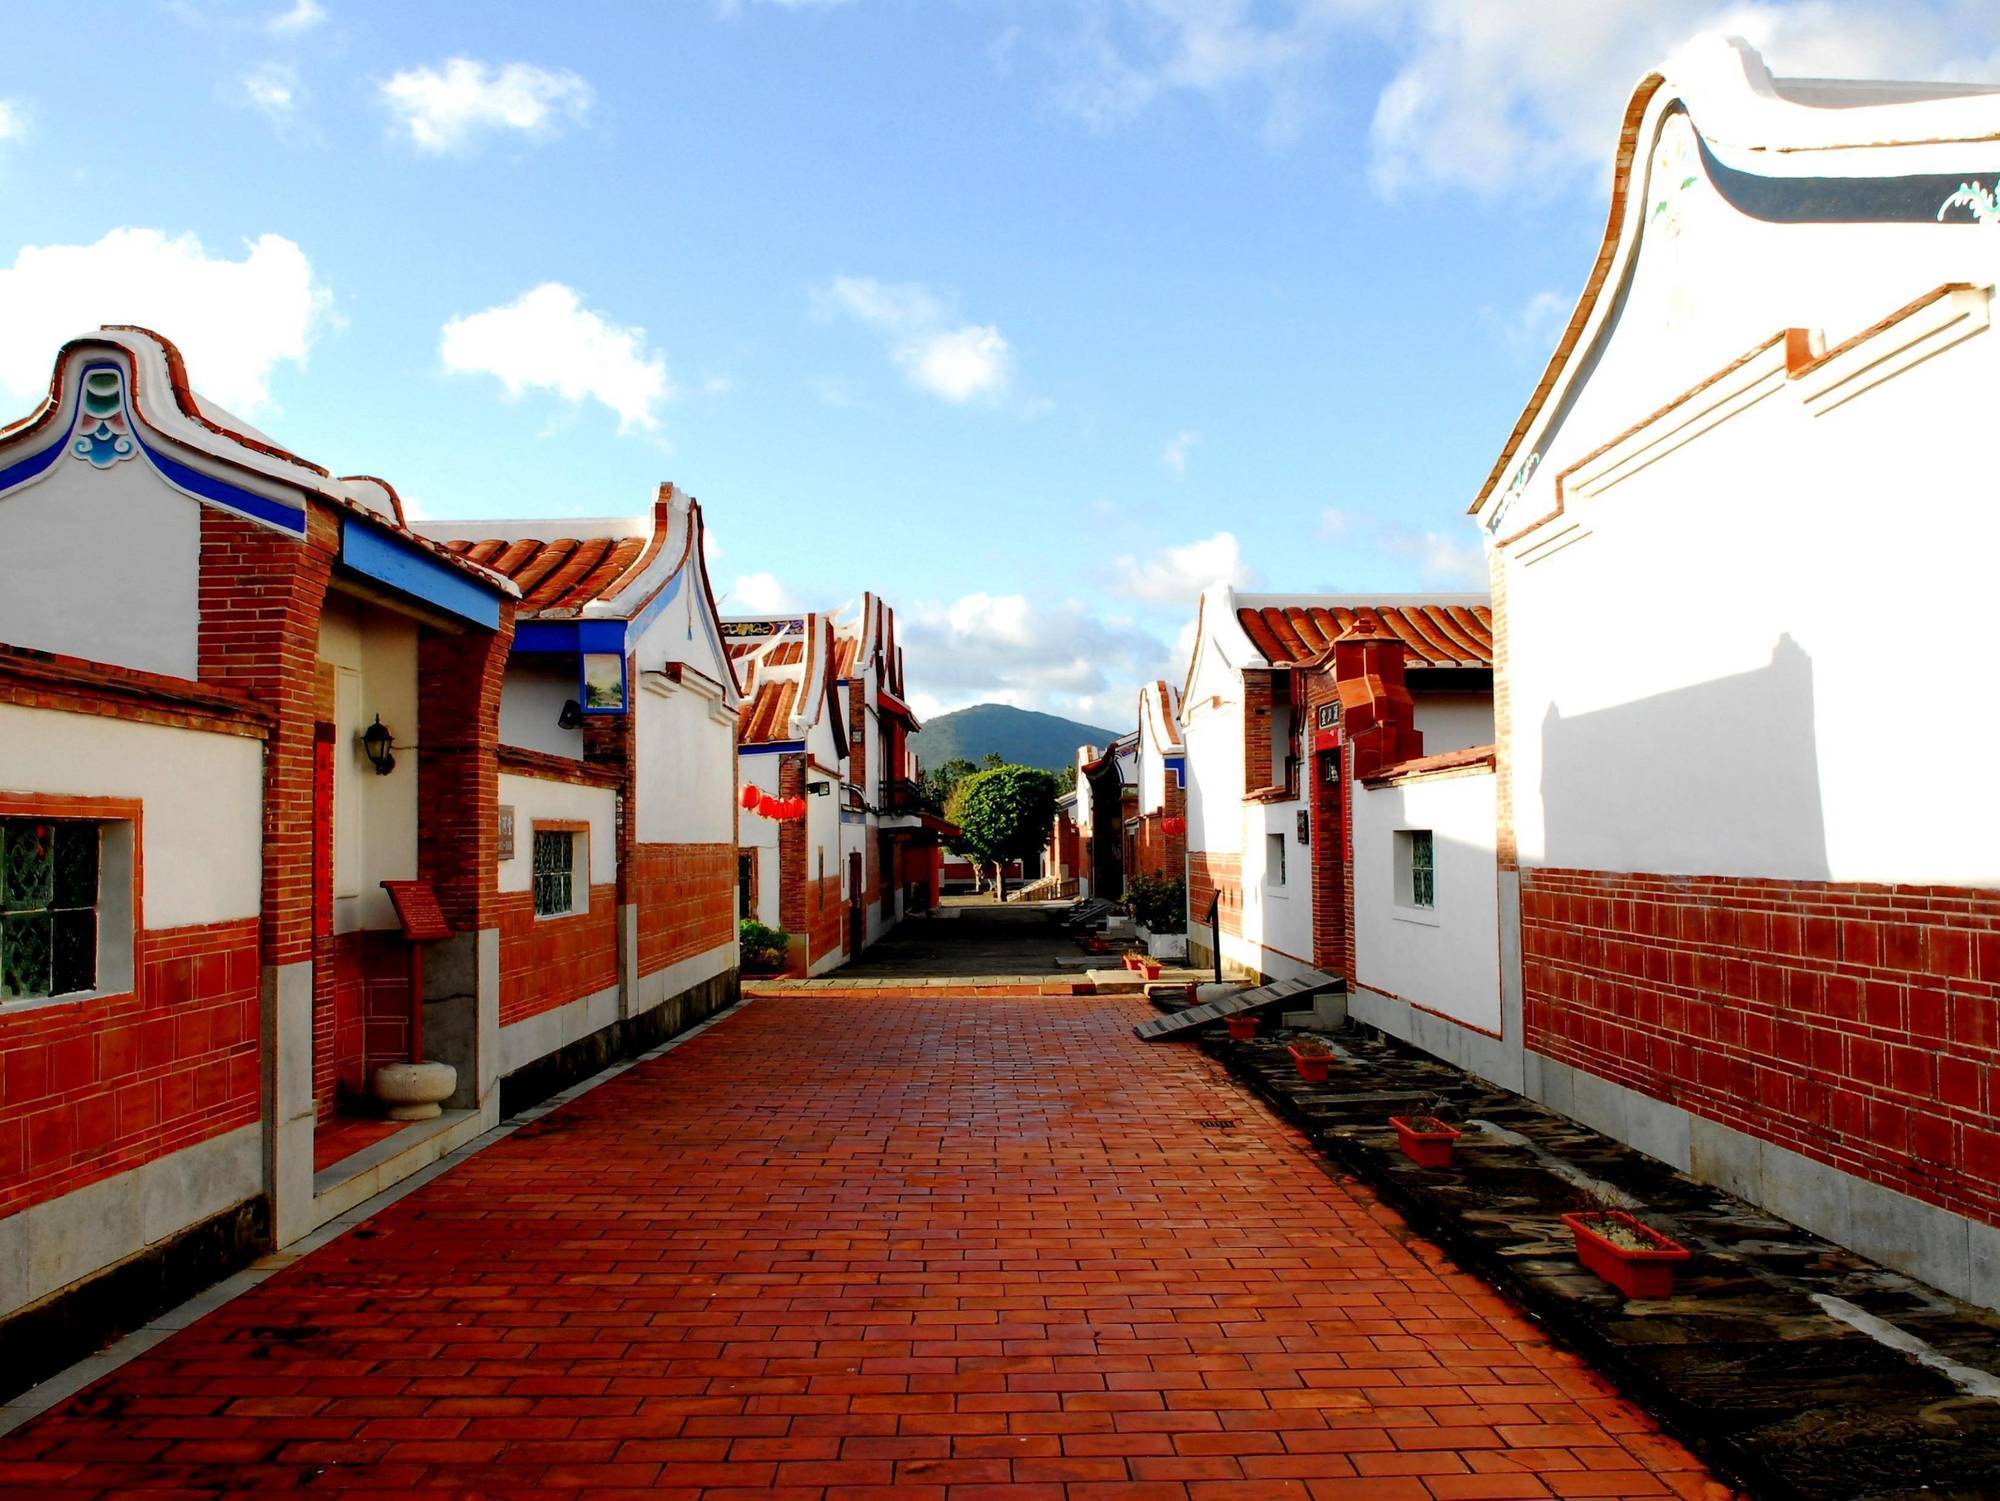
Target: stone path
<point>941,1250</point>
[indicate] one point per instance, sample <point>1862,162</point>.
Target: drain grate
<point>1218,1123</point>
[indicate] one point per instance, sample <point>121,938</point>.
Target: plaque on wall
<point>505,841</point>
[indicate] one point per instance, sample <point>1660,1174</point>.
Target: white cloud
<point>1441,557</point>
<point>13,120</point>
<point>1532,329</point>
<point>234,320</point>
<point>955,361</point>
<point>273,90</point>
<point>757,594</point>
<point>1004,648</point>
<point>444,108</point>
<point>1178,450</point>
<point>1176,575</point>
<point>547,340</point>
<point>1487,96</point>
<point>303,16</point>
<point>1332,523</point>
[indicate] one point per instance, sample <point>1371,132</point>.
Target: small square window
<point>1274,859</point>
<point>555,872</point>
<point>1416,874</point>
<point>48,907</point>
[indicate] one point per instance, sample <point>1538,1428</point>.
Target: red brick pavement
<point>830,1251</point>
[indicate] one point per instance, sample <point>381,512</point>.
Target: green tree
<point>1066,779</point>
<point>1003,813</point>
<point>935,784</point>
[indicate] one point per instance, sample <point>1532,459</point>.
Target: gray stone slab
<point>1196,1017</point>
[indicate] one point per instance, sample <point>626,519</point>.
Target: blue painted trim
<point>770,749</point>
<point>1178,766</point>
<point>32,466</point>
<point>1913,199</point>
<point>407,568</point>
<point>668,593</point>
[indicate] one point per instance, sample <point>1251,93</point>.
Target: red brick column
<point>610,740</point>
<point>458,779</point>
<point>1257,768</point>
<point>261,593</point>
<point>794,913</point>
<point>1378,720</point>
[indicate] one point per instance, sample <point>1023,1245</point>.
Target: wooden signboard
<point>418,911</point>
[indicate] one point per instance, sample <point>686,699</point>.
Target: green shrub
<point>762,947</point>
<point>1159,905</point>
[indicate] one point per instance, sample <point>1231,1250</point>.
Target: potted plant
<point>1311,1057</point>
<point>1625,1251</point>
<point>1160,908</point>
<point>1149,968</point>
<point>1425,1139</point>
<point>762,949</point>
<point>1242,1027</point>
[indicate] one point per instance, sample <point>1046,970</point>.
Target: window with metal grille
<point>555,872</point>
<point>1416,880</point>
<point>48,907</point>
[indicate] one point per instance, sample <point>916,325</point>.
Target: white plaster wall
<point>381,647</point>
<point>1446,959</point>
<point>1277,917</point>
<point>1214,738</point>
<point>1724,676</point>
<point>532,696</point>
<point>759,836</point>
<point>686,779</point>
<point>533,798</point>
<point>104,565</point>
<point>202,797</point>
<point>1454,721</point>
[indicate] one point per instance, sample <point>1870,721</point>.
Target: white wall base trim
<point>522,1042</point>
<point>662,985</point>
<point>1248,954</point>
<point>47,1246</point>
<point>1491,1058</point>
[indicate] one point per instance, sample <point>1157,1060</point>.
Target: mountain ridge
<point>1025,737</point>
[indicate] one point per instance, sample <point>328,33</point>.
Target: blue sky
<point>1031,315</point>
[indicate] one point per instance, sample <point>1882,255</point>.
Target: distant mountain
<point>1019,736</point>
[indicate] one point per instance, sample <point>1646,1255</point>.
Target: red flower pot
<point>1645,1271</point>
<point>1241,1028</point>
<point>1149,969</point>
<point>1312,1067</point>
<point>1425,1140</point>
<point>1130,961</point>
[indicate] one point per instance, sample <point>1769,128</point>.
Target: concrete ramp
<point>1286,993</point>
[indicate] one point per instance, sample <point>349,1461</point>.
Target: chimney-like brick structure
<point>1378,720</point>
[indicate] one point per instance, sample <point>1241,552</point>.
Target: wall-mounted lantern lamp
<point>375,743</point>
<point>571,716</point>
<point>819,789</point>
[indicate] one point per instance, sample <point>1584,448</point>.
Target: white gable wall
<point>104,565</point>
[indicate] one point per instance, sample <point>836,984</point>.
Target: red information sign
<point>417,909</point>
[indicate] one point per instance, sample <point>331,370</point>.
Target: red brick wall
<point>1857,1025</point>
<point>361,1018</point>
<point>793,905</point>
<point>1257,701</point>
<point>827,920</point>
<point>686,896</point>
<point>89,1089</point>
<point>458,778</point>
<point>547,962</point>
<point>1208,873</point>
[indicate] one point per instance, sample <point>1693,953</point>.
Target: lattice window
<point>555,872</point>
<point>1416,878</point>
<point>48,907</point>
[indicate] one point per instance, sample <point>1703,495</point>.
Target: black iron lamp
<point>819,789</point>
<point>375,741</point>
<point>571,716</point>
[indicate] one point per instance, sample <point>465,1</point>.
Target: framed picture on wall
<point>603,683</point>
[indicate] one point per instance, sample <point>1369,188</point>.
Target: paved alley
<point>835,1250</point>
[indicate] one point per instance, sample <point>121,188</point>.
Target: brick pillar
<point>1257,729</point>
<point>458,780</point>
<point>261,593</point>
<point>1174,806</point>
<point>1378,720</point>
<point>794,912</point>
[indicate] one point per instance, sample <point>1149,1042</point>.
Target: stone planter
<point>1626,1252</point>
<point>1165,945</point>
<point>414,1091</point>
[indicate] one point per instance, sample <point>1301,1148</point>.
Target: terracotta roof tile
<point>564,573</point>
<point>765,713</point>
<point>1432,635</point>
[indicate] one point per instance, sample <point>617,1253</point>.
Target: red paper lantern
<point>749,798</point>
<point>767,805</point>
<point>795,807</point>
